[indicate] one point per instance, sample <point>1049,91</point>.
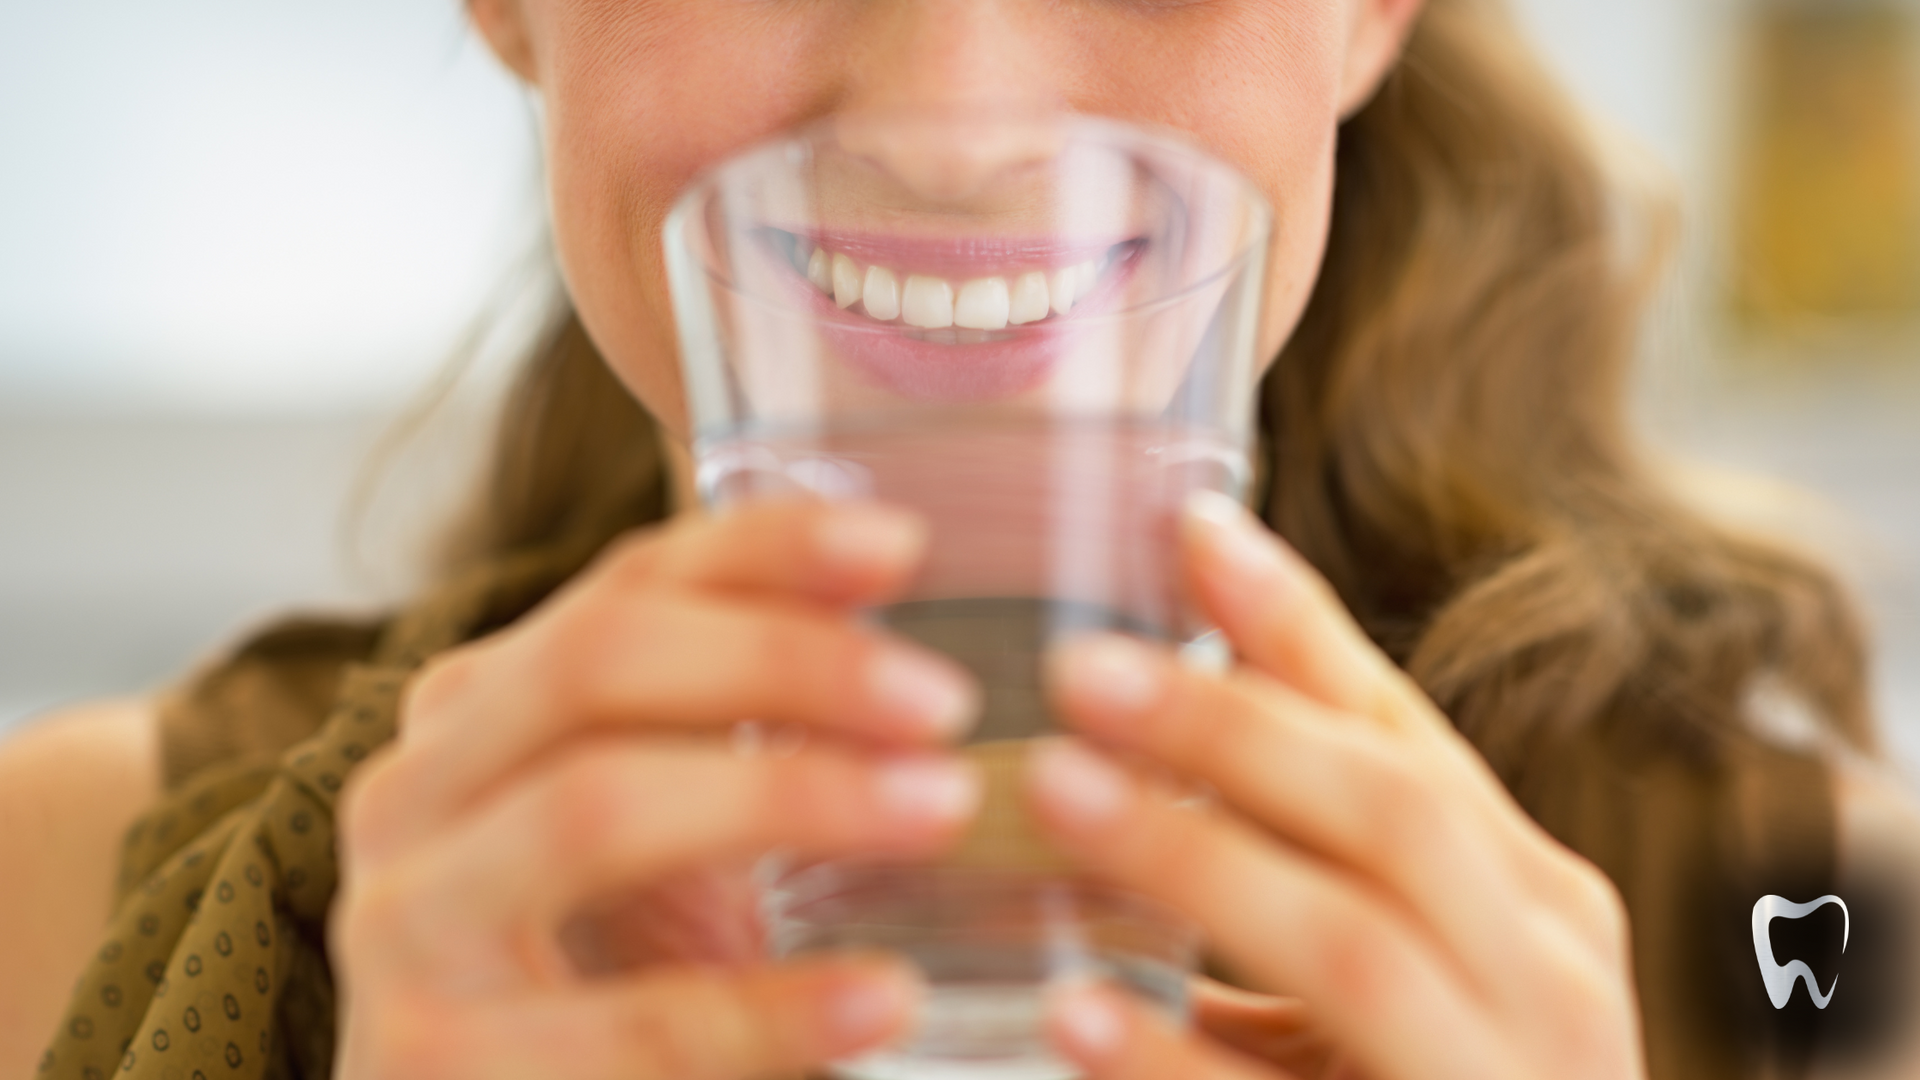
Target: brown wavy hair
<point>1444,435</point>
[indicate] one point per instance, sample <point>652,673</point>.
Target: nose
<point>969,61</point>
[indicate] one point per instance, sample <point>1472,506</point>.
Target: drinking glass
<point>1038,331</point>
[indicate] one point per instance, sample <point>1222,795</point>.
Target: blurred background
<point>240,239</point>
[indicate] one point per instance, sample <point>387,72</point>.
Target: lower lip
<point>1005,364</point>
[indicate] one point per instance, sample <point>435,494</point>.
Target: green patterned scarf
<point>214,964</point>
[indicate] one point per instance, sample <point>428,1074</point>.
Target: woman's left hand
<point>1361,857</point>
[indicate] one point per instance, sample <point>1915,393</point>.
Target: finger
<point>1390,808</point>
<point>1112,1037</point>
<point>1380,987</point>
<point>662,660</point>
<point>683,1024</point>
<point>836,553</point>
<point>619,814</point>
<point>1284,618</point>
<point>1408,813</point>
<point>1275,1030</point>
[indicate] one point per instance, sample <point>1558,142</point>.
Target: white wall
<point>236,236</point>
<point>247,205</point>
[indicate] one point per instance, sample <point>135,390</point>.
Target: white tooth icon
<point>983,304</point>
<point>1029,301</point>
<point>881,294</point>
<point>818,270</point>
<point>927,302</point>
<point>1780,978</point>
<point>846,281</point>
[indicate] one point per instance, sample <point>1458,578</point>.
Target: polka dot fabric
<point>214,965</point>
<point>188,985</point>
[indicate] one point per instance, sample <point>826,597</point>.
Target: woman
<point>1499,664</point>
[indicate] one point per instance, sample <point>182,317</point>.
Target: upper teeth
<point>933,303</point>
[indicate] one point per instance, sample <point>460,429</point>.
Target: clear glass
<point>1038,331</point>
<point>990,943</point>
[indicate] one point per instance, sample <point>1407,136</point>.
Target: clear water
<point>1042,527</point>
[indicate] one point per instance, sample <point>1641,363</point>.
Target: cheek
<point>1258,84</point>
<point>1303,215</point>
<point>643,101</point>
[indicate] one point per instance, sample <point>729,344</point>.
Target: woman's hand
<point>1361,857</point>
<point>582,755</point>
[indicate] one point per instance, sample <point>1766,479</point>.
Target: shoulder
<point>90,762</point>
<point>70,785</point>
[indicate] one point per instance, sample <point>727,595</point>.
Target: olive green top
<point>214,965</point>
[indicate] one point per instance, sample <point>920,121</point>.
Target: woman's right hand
<point>582,753</point>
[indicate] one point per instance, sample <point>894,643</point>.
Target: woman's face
<point>639,95</point>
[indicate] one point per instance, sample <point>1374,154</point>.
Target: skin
<point>1388,908</point>
<point>69,787</point>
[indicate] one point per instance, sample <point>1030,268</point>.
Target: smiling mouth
<point>952,304</point>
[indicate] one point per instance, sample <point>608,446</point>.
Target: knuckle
<point>1605,910</point>
<point>1224,727</point>
<point>1319,590</point>
<point>364,916</point>
<point>416,1042</point>
<point>1402,819</point>
<point>651,1048</point>
<point>800,661</point>
<point>1175,846</point>
<point>568,652</point>
<point>438,684</point>
<point>1588,1017</point>
<point>782,520</point>
<point>769,647</point>
<point>366,808</point>
<point>817,793</point>
<point>579,806</point>
<point>576,657</point>
<point>1357,961</point>
<point>1398,698</point>
<point>629,559</point>
<point>684,1041</point>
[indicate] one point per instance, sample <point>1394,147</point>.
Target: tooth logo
<point>1780,979</point>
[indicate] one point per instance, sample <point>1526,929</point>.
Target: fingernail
<point>1081,788</point>
<point>928,790</point>
<point>861,536</point>
<point>1235,537</point>
<point>869,1007</point>
<point>1087,1021</point>
<point>930,694</point>
<point>1112,673</point>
